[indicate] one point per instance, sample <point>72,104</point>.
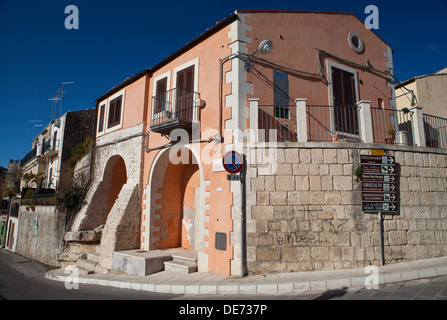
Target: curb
<point>304,282</point>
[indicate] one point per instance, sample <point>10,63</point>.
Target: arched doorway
<point>178,204</point>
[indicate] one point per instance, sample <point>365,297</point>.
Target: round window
<point>355,42</point>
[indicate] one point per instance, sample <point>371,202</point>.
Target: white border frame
<point>329,65</point>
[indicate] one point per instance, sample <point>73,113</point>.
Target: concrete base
<point>140,263</point>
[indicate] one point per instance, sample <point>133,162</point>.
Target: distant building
<point>52,149</point>
<point>429,92</point>
<point>40,227</point>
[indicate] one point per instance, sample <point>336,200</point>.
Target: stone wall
<point>120,216</point>
<point>40,239</point>
<point>308,214</point>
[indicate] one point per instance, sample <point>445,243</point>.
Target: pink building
<point>159,182</point>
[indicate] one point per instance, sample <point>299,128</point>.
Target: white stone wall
<point>122,227</point>
<point>308,215</point>
<point>40,233</point>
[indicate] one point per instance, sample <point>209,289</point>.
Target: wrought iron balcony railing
<point>176,108</point>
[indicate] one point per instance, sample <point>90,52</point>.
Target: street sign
<point>380,197</point>
<point>377,152</point>
<point>379,207</point>
<point>233,162</point>
<point>233,177</point>
<point>378,169</point>
<point>379,183</point>
<point>377,159</point>
<point>378,186</point>
<point>378,178</point>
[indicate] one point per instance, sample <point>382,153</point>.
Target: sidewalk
<point>282,283</point>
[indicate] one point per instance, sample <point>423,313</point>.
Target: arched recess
<point>177,203</point>
<point>114,177</point>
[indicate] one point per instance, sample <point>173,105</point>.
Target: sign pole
<point>382,260</point>
<point>243,222</point>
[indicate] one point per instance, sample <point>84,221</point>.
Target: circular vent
<point>356,42</point>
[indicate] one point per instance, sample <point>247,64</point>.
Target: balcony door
<point>344,101</point>
<point>185,94</point>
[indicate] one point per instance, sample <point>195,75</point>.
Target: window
<point>281,94</point>
<point>115,112</point>
<point>345,109</point>
<point>110,113</point>
<point>102,111</point>
<point>161,95</point>
<point>185,93</point>
<point>356,42</point>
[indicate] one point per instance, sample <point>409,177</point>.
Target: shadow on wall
<point>115,176</point>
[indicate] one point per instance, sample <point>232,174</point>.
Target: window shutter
<point>114,112</point>
<point>160,95</point>
<point>101,118</point>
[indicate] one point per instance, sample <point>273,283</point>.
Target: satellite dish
<point>265,47</point>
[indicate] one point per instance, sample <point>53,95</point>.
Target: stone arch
<point>176,202</point>
<point>113,179</point>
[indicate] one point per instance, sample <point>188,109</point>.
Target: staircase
<point>87,265</point>
<point>183,262</point>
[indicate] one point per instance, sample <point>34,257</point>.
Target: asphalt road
<point>22,279</point>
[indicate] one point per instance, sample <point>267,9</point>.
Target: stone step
<point>86,264</point>
<point>93,256</point>
<point>186,256</point>
<point>84,271</point>
<point>181,266</point>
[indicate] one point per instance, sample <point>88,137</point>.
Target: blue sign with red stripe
<point>233,162</point>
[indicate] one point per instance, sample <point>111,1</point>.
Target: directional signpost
<point>379,185</point>
<point>379,189</point>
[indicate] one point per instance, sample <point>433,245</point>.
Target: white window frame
<point>154,90</point>
<point>103,103</point>
<point>329,65</point>
<point>106,117</point>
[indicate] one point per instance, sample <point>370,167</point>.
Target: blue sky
<point>117,39</point>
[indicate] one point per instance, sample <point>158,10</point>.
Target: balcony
<point>361,123</point>
<point>50,148</point>
<point>177,108</point>
<point>31,155</point>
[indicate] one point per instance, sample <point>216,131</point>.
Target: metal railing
<point>392,126</point>
<point>175,104</point>
<point>435,131</point>
<point>29,156</point>
<point>282,119</point>
<point>332,123</point>
<point>50,146</point>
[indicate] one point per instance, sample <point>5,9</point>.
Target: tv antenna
<point>35,125</point>
<point>53,106</point>
<point>61,92</point>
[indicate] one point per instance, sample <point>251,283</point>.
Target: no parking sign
<point>233,162</point>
